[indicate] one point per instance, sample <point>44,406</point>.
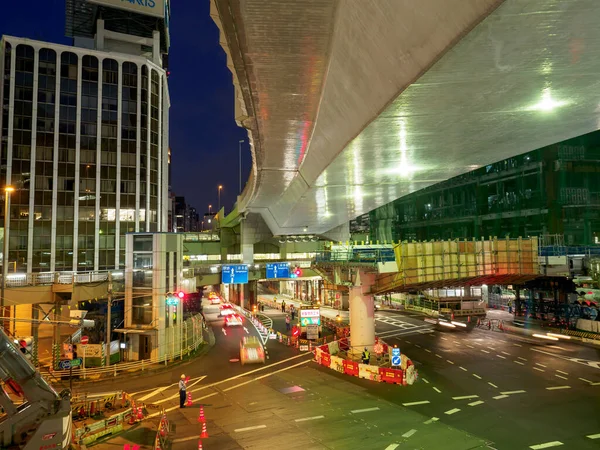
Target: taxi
<point>226,310</point>
<point>214,298</point>
<point>233,320</point>
<point>251,351</point>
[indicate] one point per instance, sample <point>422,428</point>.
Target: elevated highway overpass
<point>351,104</point>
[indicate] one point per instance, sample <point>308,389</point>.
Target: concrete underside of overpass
<point>351,104</point>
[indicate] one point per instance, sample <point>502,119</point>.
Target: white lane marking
<point>465,397</point>
<point>439,356</point>
<point>492,385</point>
<point>560,376</point>
<point>153,393</point>
<point>265,376</point>
<point>185,439</point>
<point>498,397</point>
<point>432,420</point>
<point>449,362</point>
<point>593,436</point>
<point>587,381</point>
<point>484,351</point>
<point>425,380</point>
<point>538,369</point>
<point>437,390</point>
<point>555,388</point>
<point>257,427</point>
<point>427,350</point>
<point>518,345</point>
<point>456,342</point>
<point>418,346</point>
<point>224,332</point>
<point>462,368</point>
<point>304,419</point>
<point>541,365</point>
<point>445,339</point>
<point>173,408</point>
<point>424,402</point>
<point>519,362</point>
<point>504,353</point>
<point>583,362</point>
<point>564,373</point>
<point>408,342</point>
<point>478,402</point>
<point>470,346</point>
<point>452,411</point>
<point>513,392</point>
<point>476,376</point>
<point>246,330</point>
<point>392,447</point>
<point>546,445</point>
<point>358,411</point>
<point>409,433</point>
<point>500,356</point>
<point>522,359</point>
<point>492,349</point>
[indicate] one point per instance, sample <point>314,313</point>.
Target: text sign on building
<point>278,270</point>
<point>310,317</point>
<point>154,8</point>
<point>234,274</point>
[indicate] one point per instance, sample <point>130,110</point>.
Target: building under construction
<point>552,190</point>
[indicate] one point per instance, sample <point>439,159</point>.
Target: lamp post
<point>240,151</point>
<point>7,191</point>
<point>209,210</point>
<point>219,196</point>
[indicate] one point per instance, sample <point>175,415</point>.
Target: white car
<point>233,320</point>
<point>226,310</point>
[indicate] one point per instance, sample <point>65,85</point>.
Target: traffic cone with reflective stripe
<point>201,418</point>
<point>189,400</point>
<point>204,433</point>
<point>199,444</point>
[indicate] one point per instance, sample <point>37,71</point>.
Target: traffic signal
<point>298,271</point>
<point>26,347</point>
<point>181,294</point>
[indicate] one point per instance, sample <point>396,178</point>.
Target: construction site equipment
<point>43,420</point>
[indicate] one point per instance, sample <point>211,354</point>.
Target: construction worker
<point>182,393</point>
<point>366,356</point>
<point>283,306</point>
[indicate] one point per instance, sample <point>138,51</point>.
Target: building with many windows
<point>554,190</point>
<point>84,142</point>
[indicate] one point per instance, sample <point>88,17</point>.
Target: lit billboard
<point>155,8</point>
<point>310,317</point>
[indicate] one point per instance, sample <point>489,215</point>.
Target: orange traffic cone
<point>469,319</point>
<point>204,433</point>
<point>201,418</point>
<point>199,444</point>
<point>189,399</point>
<point>140,413</point>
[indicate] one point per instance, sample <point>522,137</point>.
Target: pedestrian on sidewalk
<point>283,306</point>
<point>182,393</point>
<point>287,323</point>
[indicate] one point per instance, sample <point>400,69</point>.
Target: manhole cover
<point>234,360</point>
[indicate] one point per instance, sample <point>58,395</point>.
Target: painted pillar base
<point>362,320</point>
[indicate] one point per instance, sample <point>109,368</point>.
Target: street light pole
<point>7,191</point>
<point>209,210</point>
<point>219,195</point>
<point>240,151</point>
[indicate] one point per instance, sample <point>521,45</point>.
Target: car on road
<point>233,320</point>
<point>251,351</point>
<point>226,310</point>
<point>214,298</point>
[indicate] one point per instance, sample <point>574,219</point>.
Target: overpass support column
<point>362,313</point>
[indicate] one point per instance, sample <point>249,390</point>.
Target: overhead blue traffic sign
<point>278,270</point>
<point>234,273</point>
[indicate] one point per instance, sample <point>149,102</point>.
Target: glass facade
<point>81,145</point>
<point>552,190</point>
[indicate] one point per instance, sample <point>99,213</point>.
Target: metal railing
<point>356,255</point>
<point>47,278</point>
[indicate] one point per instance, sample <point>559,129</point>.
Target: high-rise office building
<point>84,137</point>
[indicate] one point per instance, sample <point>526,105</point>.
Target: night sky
<point>204,136</point>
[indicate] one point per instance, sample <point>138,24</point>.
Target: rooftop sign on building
<point>154,8</point>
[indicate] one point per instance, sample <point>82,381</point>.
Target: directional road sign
<point>395,356</point>
<point>278,270</point>
<point>234,273</point>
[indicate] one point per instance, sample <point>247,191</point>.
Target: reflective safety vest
<point>366,355</point>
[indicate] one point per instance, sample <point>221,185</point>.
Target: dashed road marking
<point>418,346</point>
<point>587,381</point>
<point>462,368</point>
<point>477,376</point>
<point>564,373</point>
<point>427,350</point>
<point>408,342</point>
<point>470,346</point>
<point>449,362</point>
<point>445,339</point>
<point>500,356</point>
<point>465,397</point>
<point>504,353</point>
<point>432,420</point>
<point>498,397</point>
<point>456,342</point>
<point>538,369</point>
<point>593,436</point>
<point>392,447</point>
<point>519,362</point>
<point>513,392</point>
<point>304,419</point>
<point>546,445</point>
<point>518,345</point>
<point>484,351</point>
<point>521,358</point>
<point>541,365</point>
<point>358,411</point>
<point>257,427</point>
<point>492,385</point>
<point>478,402</point>
<point>424,402</point>
<point>556,388</point>
<point>560,376</point>
<point>409,433</point>
<point>425,380</point>
<point>437,390</point>
<point>439,356</point>
<point>452,411</point>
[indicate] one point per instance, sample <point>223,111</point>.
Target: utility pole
<point>108,319</point>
